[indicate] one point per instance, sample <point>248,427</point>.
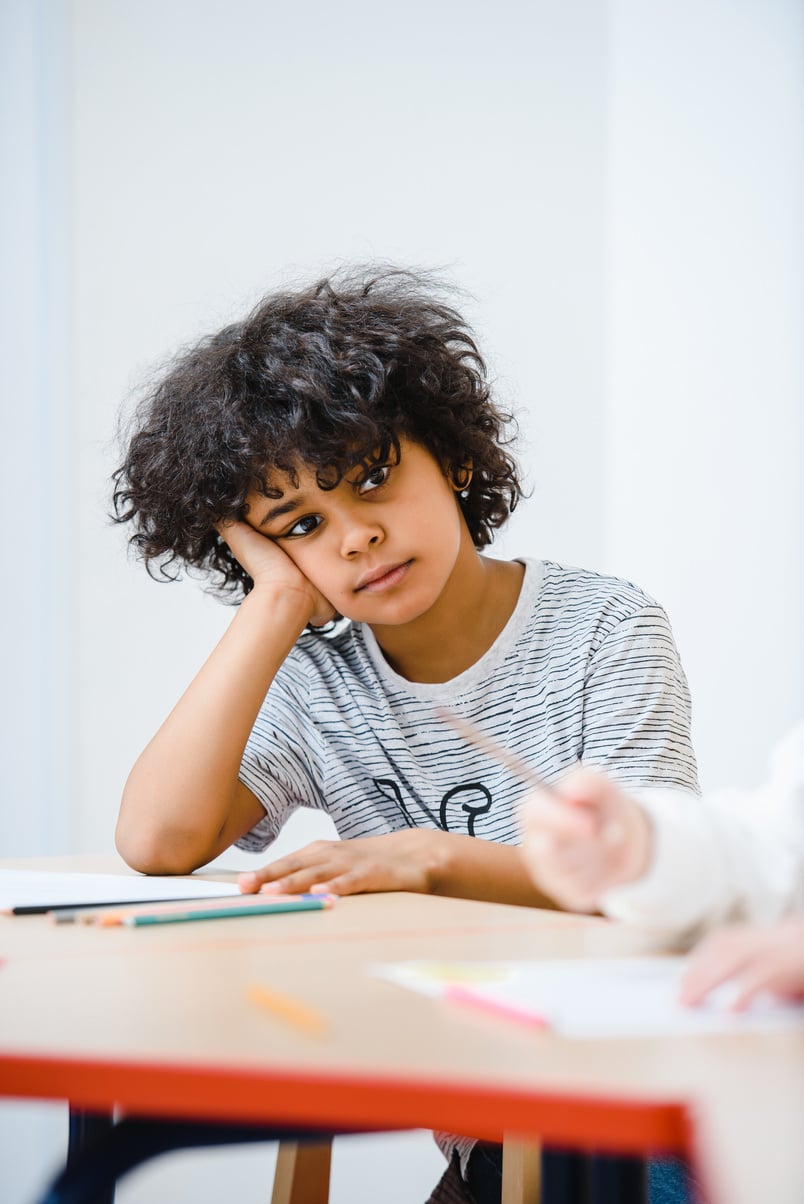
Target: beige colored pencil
<point>510,760</point>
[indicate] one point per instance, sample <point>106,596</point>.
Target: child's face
<point>380,547</point>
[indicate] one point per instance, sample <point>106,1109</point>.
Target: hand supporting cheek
<point>582,838</point>
<point>268,565</point>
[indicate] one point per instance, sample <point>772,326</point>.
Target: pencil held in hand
<point>581,836</point>
<point>473,735</point>
<point>596,838</point>
<point>611,833</point>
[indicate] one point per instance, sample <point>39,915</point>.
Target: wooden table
<point>158,1021</point>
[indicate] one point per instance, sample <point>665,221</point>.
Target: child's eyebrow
<point>287,507</point>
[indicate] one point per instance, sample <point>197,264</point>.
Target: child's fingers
<point>294,873</point>
<point>248,883</point>
<point>236,535</point>
<point>583,838</point>
<point>226,528</point>
<point>701,979</point>
<point>352,882</point>
<point>718,959</point>
<point>752,977</point>
<point>600,797</point>
<point>752,981</point>
<point>578,810</point>
<point>296,883</point>
<point>542,814</point>
<point>240,538</point>
<point>771,971</point>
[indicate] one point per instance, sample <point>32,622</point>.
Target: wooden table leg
<point>521,1172</point>
<point>302,1173</point>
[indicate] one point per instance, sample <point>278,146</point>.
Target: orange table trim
<point>612,1123</point>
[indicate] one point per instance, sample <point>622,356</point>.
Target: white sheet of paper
<point>594,997</point>
<point>32,888</point>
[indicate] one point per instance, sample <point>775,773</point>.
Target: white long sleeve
<point>726,856</point>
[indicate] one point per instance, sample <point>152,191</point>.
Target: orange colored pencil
<point>286,1008</point>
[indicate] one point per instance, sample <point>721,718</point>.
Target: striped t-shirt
<point>586,669</point>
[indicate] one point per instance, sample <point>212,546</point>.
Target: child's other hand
<point>584,837</point>
<point>397,861</point>
<point>753,958</point>
<point>267,564</point>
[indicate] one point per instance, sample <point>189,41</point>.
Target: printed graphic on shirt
<point>457,811</point>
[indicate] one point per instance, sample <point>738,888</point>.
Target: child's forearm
<point>183,803</point>
<point>422,860</point>
<point>470,868</point>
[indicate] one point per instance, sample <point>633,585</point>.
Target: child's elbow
<point>157,852</point>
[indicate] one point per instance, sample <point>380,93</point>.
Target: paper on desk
<point>42,888</point>
<point>592,997</point>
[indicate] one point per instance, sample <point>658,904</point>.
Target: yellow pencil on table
<point>285,1007</point>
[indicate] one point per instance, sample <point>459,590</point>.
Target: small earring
<point>461,480</point>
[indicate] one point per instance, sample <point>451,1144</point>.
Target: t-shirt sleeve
<point>636,724</point>
<point>282,761</point>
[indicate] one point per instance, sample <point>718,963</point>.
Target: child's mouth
<point>384,578</point>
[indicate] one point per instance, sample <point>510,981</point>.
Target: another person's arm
<point>583,837</point>
<point>687,864</point>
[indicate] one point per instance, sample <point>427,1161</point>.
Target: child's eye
<point>305,526</point>
<point>377,477</point>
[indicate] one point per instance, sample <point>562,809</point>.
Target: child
<point>676,865</point>
<point>338,455</point>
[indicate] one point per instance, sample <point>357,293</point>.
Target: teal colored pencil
<point>227,911</point>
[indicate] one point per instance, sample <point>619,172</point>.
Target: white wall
<point>705,421</point>
<point>36,477</point>
<point>37,598</point>
<point>617,184</point>
<point>216,155</point>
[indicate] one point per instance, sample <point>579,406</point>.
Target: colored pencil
<point>234,906</point>
<point>465,995</point>
<point>527,776</point>
<point>285,1007</point>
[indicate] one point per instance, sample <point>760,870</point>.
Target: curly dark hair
<point>329,376</point>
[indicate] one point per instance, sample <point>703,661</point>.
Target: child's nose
<point>361,537</point>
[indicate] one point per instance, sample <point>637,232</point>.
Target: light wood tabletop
<point>165,1021</point>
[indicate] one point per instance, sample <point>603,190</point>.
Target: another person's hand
<point>396,861</point>
<point>267,564</point>
<point>583,837</point>
<point>755,959</point>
